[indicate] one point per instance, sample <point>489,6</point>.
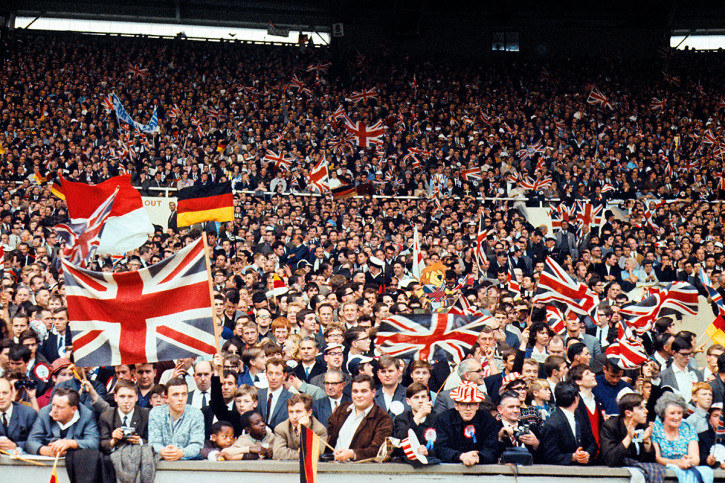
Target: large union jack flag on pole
<point>156,314</point>
<point>429,337</point>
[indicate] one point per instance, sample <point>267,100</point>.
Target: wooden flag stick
<point>366,460</point>
<point>37,463</point>
<point>55,463</point>
<point>322,440</point>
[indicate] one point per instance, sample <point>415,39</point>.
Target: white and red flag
<point>128,225</point>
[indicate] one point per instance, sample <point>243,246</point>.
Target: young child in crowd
<point>254,443</point>
<point>222,437</point>
<point>539,397</point>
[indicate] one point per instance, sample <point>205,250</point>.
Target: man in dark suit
<point>565,437</point>
<point>609,270</point>
<point>16,420</point>
<point>273,400</point>
<point>334,384</point>
<point>357,429</point>
<point>114,423</point>
<point>55,344</point>
<point>390,395</point>
<point>309,366</point>
<point>64,425</point>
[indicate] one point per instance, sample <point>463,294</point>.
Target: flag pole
<point>55,463</point>
<point>211,291</point>
<point>15,457</point>
<point>321,440</point>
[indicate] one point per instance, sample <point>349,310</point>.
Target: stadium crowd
<point>308,356</point>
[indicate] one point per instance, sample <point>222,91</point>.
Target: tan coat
<point>287,440</point>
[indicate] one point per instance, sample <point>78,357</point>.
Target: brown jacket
<point>370,435</point>
<point>287,441</point>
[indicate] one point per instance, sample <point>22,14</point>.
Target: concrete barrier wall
<point>288,472</point>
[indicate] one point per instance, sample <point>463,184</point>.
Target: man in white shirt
<point>680,376</point>
<point>184,368</point>
<point>200,397</point>
<point>357,429</point>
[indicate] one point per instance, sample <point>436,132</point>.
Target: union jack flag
<point>195,122</point>
<point>676,298</point>
<point>720,104</point>
<point>561,213</point>
<point>137,71</point>
<point>658,103</point>
<point>107,103</point>
<point>513,283</point>
<point>671,79</point>
<point>556,317</point>
<point>297,84</point>
<point>429,337</point>
<point>588,214</point>
<point>560,125</point>
<point>364,95</point>
<point>709,137</point>
<point>596,97</point>
<point>318,176</point>
<point>473,174</point>
<point>627,352</point>
<point>156,314</point>
<point>318,67</point>
<point>415,162</point>
<point>555,285</point>
<point>175,112</point>
<point>480,251</point>
<point>213,112</point>
<point>608,188</point>
<point>280,161</point>
<point>82,236</point>
<point>714,294</point>
<point>465,308</point>
<point>536,185</point>
<point>437,207</point>
<point>689,165</point>
<point>366,137</point>
<point>436,293</point>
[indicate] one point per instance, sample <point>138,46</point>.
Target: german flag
<point>57,189</point>
<point>221,146</point>
<point>198,204</point>
<point>309,454</point>
<point>716,330</point>
<point>344,191</point>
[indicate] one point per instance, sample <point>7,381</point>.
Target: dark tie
<point>125,420</point>
<point>203,399</point>
<point>269,408</point>
<point>5,422</point>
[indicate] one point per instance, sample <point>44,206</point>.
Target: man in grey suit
<point>16,420</point>
<point>273,400</point>
<point>566,241</point>
<point>64,425</point>
<point>390,395</point>
<point>680,376</point>
<point>574,331</point>
<point>322,408</point>
<point>468,370</point>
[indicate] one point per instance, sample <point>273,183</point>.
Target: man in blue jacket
<point>16,420</point>
<point>466,434</point>
<point>64,425</point>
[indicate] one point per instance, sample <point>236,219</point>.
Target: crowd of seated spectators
<point>308,357</point>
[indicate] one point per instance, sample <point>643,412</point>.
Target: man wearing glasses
<point>334,358</point>
<point>680,376</point>
<point>334,383</point>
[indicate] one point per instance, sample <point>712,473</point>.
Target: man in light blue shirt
<point>176,431</point>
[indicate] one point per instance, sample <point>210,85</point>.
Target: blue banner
<point>122,115</point>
